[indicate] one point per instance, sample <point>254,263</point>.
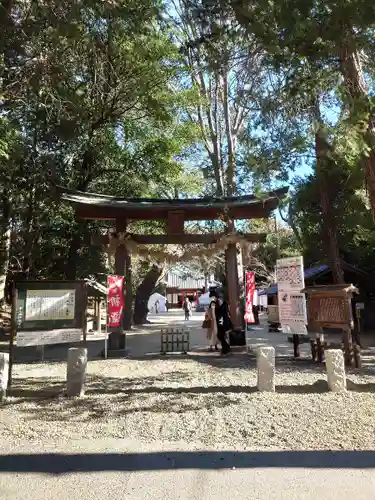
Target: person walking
<point>210,325</point>
<point>187,308</point>
<point>256,314</point>
<point>224,325</point>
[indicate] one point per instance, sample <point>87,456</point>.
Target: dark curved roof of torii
<point>102,207</point>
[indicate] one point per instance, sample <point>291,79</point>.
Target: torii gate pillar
<point>117,337</point>
<point>234,273</point>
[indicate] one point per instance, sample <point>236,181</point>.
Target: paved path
<point>146,340</point>
<point>120,469</point>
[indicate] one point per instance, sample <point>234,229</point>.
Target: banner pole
<point>106,331</point>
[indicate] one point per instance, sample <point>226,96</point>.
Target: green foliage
<point>177,99</point>
<point>356,240</point>
<point>89,103</point>
<point>319,55</point>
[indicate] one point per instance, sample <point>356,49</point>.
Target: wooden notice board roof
<point>330,289</point>
<point>102,207</point>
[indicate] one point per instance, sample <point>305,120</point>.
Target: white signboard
<point>46,337</point>
<point>49,305</point>
<point>292,303</point>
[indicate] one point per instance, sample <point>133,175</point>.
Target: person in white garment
<point>187,308</point>
<point>210,324</point>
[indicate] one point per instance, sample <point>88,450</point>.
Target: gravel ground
<point>200,399</point>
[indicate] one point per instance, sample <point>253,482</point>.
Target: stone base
<point>116,341</point>
<point>237,338</point>
<point>239,349</point>
<point>273,328</point>
<point>303,339</point>
<point>115,353</point>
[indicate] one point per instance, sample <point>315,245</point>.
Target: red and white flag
<point>250,289</point>
<point>115,286</point>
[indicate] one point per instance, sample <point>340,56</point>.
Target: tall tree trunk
<point>230,140</point>
<point>128,308</point>
<point>357,92</point>
<point>4,260</point>
<point>5,243</point>
<point>143,293</point>
<point>7,41</point>
<point>330,230</point>
<point>30,224</point>
<point>85,167</point>
<point>28,235</point>
<point>218,171</point>
<point>233,259</point>
<point>322,151</point>
<point>73,252</point>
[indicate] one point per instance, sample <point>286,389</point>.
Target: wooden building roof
<point>102,207</point>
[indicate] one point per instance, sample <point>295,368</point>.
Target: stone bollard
<point>4,372</point>
<point>76,371</point>
<point>335,366</point>
<point>266,369</point>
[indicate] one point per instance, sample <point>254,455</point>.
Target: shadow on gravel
<point>36,388</point>
<point>321,386</point>
<point>173,384</point>
<point>240,361</point>
<point>54,463</point>
<point>50,404</point>
<point>43,399</point>
<point>111,398</point>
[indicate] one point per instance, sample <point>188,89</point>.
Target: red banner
<point>250,289</point>
<point>115,285</point>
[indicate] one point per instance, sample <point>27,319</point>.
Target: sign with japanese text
<point>115,285</point>
<point>292,303</point>
<point>249,299</point>
<point>50,305</point>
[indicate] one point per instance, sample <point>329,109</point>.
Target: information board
<point>49,305</point>
<point>50,312</point>
<point>47,337</point>
<point>292,303</point>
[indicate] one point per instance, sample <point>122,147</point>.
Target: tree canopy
<point>182,98</point>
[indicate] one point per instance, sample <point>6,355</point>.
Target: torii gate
<point>93,206</point>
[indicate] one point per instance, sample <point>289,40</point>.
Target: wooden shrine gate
<point>91,206</point>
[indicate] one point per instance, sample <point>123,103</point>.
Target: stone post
<point>266,369</point>
<point>76,371</point>
<point>335,366</point>
<point>4,371</point>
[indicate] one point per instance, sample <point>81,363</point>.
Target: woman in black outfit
<point>224,325</point>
